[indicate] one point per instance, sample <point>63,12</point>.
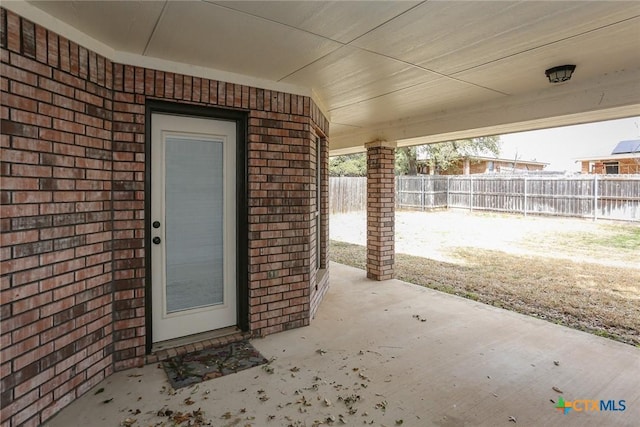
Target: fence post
<point>448,187</point>
<point>595,197</point>
<point>470,193</point>
<point>398,190</point>
<point>525,196</point>
<point>422,193</point>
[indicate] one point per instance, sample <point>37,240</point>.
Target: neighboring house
<point>471,165</point>
<point>624,159</point>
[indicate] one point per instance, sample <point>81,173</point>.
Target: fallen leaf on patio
<point>557,363</point>
<point>128,422</point>
<point>136,412</point>
<point>268,369</point>
<point>513,419</point>
<point>264,398</point>
<point>195,389</point>
<point>321,351</point>
<point>552,401</point>
<point>134,375</point>
<point>327,402</point>
<point>556,389</point>
<point>98,391</point>
<point>179,417</point>
<point>107,400</point>
<point>271,417</point>
<point>399,422</point>
<point>294,369</point>
<point>188,401</point>
<point>381,405</point>
<point>227,415</point>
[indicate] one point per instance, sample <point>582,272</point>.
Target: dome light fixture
<point>560,74</point>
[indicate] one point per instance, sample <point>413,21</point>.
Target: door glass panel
<point>193,218</point>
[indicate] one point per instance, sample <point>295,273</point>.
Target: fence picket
<point>587,196</point>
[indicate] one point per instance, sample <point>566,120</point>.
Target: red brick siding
<point>320,279</point>
<point>56,221</point>
<point>73,167</point>
<point>625,166</point>
<point>380,211</point>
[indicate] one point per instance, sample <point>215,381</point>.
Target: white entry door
<point>193,232</point>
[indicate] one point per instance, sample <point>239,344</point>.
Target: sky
<point>561,146</point>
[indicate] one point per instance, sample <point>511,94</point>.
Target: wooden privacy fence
<point>347,194</point>
<point>587,196</point>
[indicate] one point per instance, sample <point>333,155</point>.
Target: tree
<point>406,161</point>
<point>348,165</point>
<point>441,156</point>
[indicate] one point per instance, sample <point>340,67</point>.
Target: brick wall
<point>320,225</point>
<point>56,221</point>
<point>73,179</point>
<point>625,166</point>
<point>380,210</point>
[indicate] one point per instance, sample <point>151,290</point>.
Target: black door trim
<point>242,255</point>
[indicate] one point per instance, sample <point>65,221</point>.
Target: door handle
<point>156,240</point>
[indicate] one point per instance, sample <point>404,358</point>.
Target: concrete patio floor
<point>468,364</point>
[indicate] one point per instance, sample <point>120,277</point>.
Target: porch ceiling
<point>409,71</point>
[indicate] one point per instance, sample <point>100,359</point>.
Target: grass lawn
<point>576,273</point>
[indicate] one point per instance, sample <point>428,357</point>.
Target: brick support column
<point>380,209</point>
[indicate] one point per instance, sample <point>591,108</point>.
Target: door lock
<point>156,224</point>
<point>156,240</point>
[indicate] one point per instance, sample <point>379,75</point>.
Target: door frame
<point>242,233</point>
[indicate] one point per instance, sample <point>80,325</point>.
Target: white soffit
<point>342,21</point>
<point>611,46</point>
<point>444,94</point>
<point>348,76</point>
<point>216,37</point>
<point>451,36</point>
<point>122,25</point>
<point>385,68</point>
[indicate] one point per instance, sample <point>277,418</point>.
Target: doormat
<point>211,363</point>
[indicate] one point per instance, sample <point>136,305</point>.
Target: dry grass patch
<point>603,300</point>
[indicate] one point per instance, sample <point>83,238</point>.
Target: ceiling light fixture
<point>560,74</point>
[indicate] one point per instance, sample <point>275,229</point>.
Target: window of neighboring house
<point>611,168</point>
<point>490,166</point>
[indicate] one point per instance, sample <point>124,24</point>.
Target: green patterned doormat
<point>211,363</point>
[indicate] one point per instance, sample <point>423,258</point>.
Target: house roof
<point>413,72</point>
<point>493,159</point>
<point>628,146</point>
<point>628,149</point>
<point>517,161</point>
<point>610,157</point>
